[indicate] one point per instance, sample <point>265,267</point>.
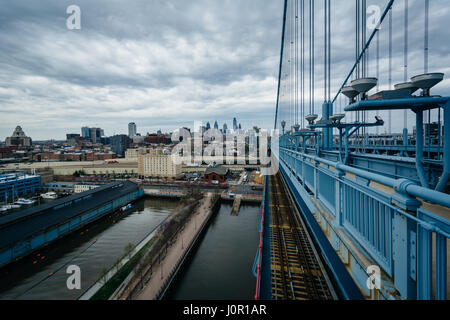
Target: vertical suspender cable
<point>405,76</point>
<point>325,78</point>
<point>357,38</point>
<point>357,35</point>
<point>292,65</point>
<point>303,62</point>
<point>425,61</point>
<point>312,57</point>
<point>296,62</point>
<point>363,43</point>
<point>363,36</point>
<point>329,50</point>
<point>425,55</point>
<point>390,68</point>
<point>378,74</point>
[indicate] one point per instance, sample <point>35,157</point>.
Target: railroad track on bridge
<point>297,272</point>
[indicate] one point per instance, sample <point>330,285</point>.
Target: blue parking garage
<point>14,185</point>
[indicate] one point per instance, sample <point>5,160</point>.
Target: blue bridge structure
<point>371,196</point>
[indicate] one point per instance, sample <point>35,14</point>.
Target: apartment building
<point>158,164</point>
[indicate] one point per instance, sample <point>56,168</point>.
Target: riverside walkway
<point>162,272</point>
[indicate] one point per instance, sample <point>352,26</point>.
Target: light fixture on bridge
<point>283,125</point>
<point>406,86</point>
<point>311,118</point>
<point>336,118</point>
<point>427,81</point>
<point>363,85</point>
<point>350,93</point>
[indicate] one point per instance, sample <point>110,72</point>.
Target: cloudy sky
<point>162,63</point>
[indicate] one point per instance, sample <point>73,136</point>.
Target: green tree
<point>129,249</point>
<point>103,275</point>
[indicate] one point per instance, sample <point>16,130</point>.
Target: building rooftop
<point>220,170</point>
<point>15,176</point>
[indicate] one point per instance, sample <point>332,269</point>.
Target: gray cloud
<point>163,63</point>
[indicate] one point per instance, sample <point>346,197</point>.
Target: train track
<point>297,272</point>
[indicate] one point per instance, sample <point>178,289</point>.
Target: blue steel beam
<point>398,104</point>
<point>446,175</point>
<point>281,63</point>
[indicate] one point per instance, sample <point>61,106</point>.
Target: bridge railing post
<point>404,240</point>
<point>440,227</point>
<point>316,177</point>
<point>339,190</point>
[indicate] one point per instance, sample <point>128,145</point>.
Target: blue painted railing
<point>383,217</point>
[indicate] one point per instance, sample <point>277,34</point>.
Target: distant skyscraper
<point>240,127</point>
<point>225,128</point>
<point>85,132</point>
<point>216,125</point>
<point>235,126</point>
<point>119,144</point>
<point>208,126</point>
<point>132,129</point>
<point>92,134</point>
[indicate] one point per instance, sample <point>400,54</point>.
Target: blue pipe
<point>391,104</point>
<point>419,149</point>
<point>446,174</point>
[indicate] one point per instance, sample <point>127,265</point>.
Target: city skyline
<point>85,131</point>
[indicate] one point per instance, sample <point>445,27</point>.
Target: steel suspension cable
<point>329,50</point>
<point>325,78</point>
<point>390,68</point>
<point>405,75</point>
<point>296,62</point>
<point>303,63</point>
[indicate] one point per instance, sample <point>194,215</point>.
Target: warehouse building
<point>15,185</point>
<point>26,231</point>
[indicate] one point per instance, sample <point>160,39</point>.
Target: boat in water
<point>127,207</point>
<point>23,201</point>
<point>11,206</point>
<point>49,195</point>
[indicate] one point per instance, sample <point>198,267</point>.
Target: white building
<point>158,164</point>
<point>83,187</point>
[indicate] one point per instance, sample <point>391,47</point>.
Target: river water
<point>220,268</point>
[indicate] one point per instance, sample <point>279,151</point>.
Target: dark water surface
<point>221,266</point>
